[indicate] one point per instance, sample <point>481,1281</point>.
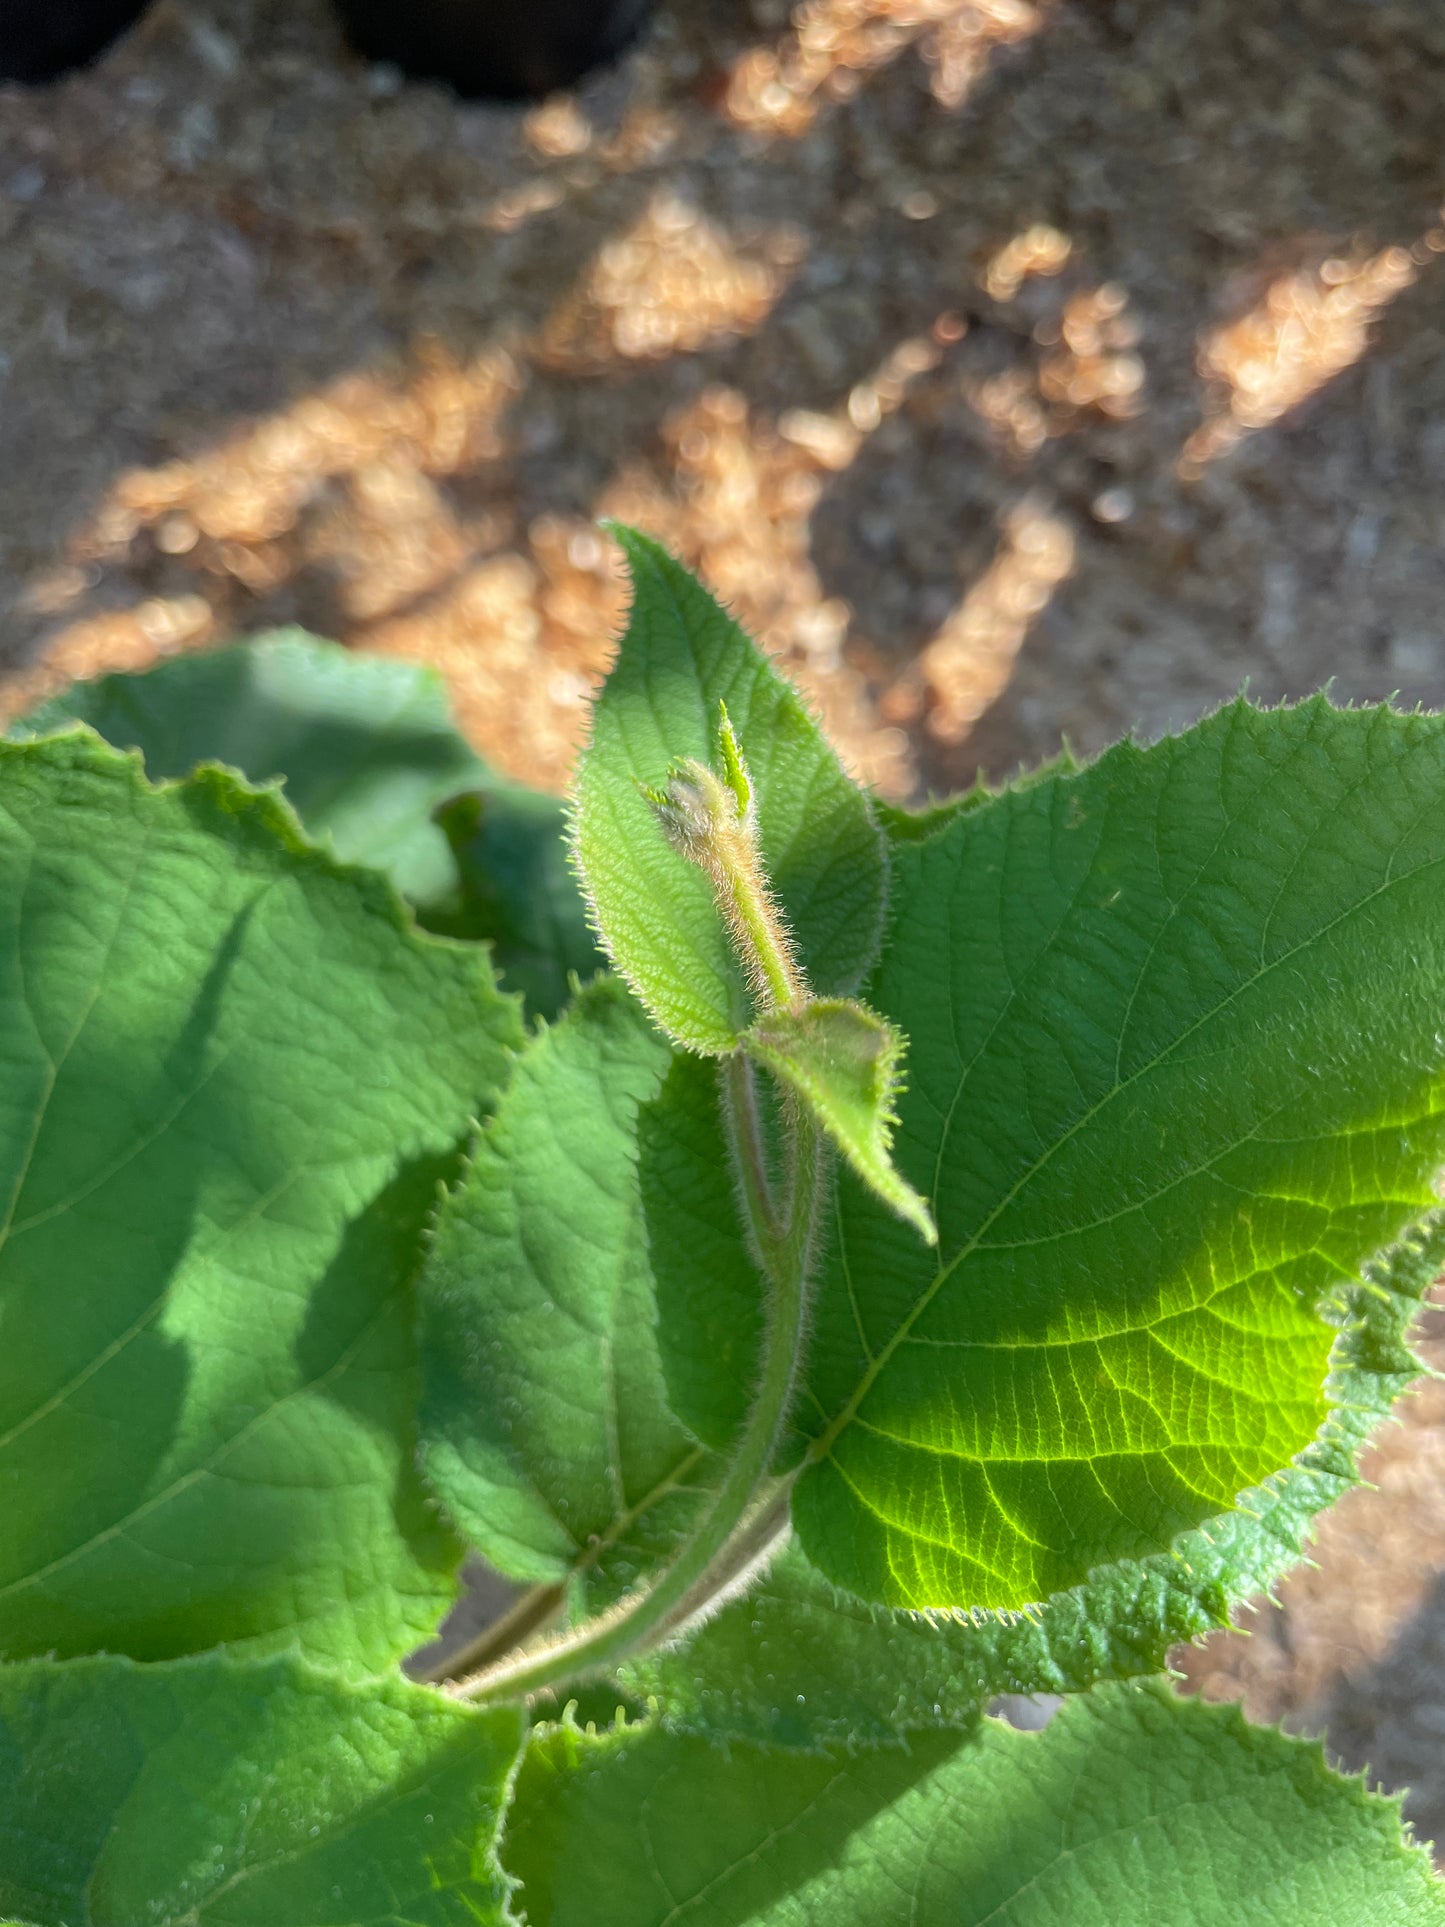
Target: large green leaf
<point>212,1792</point>
<point>366,747</point>
<point>1132,1806</point>
<point>902,825</point>
<point>233,1080</point>
<point>546,1425</point>
<point>369,755</point>
<point>680,657</point>
<point>797,1662</point>
<point>1177,1071</point>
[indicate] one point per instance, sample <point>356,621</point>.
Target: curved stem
<point>761,1217</point>
<point>602,1642</point>
<point>750,1549</point>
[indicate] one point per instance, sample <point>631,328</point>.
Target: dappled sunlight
<point>967,665</point>
<point>577,157</point>
<point>383,506</point>
<point>527,632</point>
<point>117,641</point>
<point>834,44</point>
<point>343,480</point>
<point>1087,362</point>
<point>522,638</point>
<point>352,484</point>
<point>888,443</point>
<point>1039,250</point>
<point>675,283</point>
<point>441,417</point>
<point>1308,326</point>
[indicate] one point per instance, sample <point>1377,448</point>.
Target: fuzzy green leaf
<point>799,1663</point>
<point>234,1078</point>
<point>366,747</point>
<point>904,826</point>
<point>212,1792</point>
<point>681,657</point>
<point>373,765</point>
<point>1177,1070</point>
<point>843,1062</point>
<point>901,825</point>
<point>1132,1806</point>
<point>545,1421</point>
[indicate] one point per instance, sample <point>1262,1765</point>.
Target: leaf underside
<point>234,1079</point>
<point>212,1792</point>
<point>375,767</point>
<point>1176,1073</point>
<point>842,1062</point>
<point>1132,1806</point>
<point>366,746</point>
<point>682,656</point>
<point>545,1422</point>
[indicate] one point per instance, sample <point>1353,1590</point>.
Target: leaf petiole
<point>708,1561</point>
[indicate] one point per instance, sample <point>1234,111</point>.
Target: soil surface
<point>1016,369</point>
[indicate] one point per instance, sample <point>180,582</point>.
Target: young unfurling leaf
<point>710,820</point>
<point>820,846</point>
<point>843,1062</point>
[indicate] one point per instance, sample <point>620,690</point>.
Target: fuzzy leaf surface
<point>1177,1071</point>
<point>234,1078</point>
<point>1132,1806</point>
<point>797,1662</point>
<point>212,1792</point>
<point>366,746</point>
<point>680,657</point>
<point>545,1420</point>
<point>842,1061</point>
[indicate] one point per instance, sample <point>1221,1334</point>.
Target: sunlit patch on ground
<point>1307,327</point>
<point>673,284</point>
<point>353,482</point>
<point>834,44</point>
<point>968,663</point>
<point>576,157</point>
<point>1038,250</point>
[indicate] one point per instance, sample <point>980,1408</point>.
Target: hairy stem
<point>762,1216</point>
<point>708,1558</point>
<point>750,1549</point>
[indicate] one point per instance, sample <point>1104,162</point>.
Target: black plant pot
<point>493,49</point>
<point>40,39</point>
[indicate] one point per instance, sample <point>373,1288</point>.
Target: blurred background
<point>1017,370</point>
